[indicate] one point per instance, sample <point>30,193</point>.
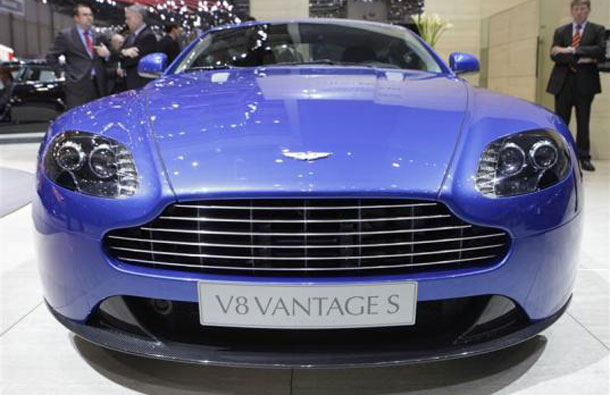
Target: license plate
<point>304,306</point>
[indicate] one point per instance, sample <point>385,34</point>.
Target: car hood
<point>227,132</point>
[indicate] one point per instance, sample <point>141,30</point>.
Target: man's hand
<point>102,51</point>
<point>132,52</point>
<point>561,50</point>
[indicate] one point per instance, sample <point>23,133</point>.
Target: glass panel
<point>46,76</point>
<point>340,43</point>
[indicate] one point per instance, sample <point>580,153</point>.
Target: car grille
<point>296,237</point>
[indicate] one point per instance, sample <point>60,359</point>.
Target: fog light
<point>163,307</point>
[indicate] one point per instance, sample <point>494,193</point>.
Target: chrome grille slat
<point>300,221</point>
<point>203,244</point>
<point>286,258</point>
<point>305,234</point>
<point>308,237</point>
<point>304,207</point>
<point>293,269</point>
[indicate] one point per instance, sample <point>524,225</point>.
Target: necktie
<point>130,40</point>
<point>575,43</point>
<point>89,43</point>
<point>576,37</point>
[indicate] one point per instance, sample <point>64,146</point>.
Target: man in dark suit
<point>114,71</point>
<point>577,48</point>
<point>140,42</point>
<point>170,44</point>
<point>84,58</point>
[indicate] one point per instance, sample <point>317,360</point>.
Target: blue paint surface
<point>215,134</point>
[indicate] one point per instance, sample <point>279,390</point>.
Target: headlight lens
<point>522,163</point>
<point>511,160</point>
<point>92,165</point>
<point>102,161</point>
<point>70,156</point>
<point>544,154</point>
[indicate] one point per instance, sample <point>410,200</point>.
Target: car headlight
<point>522,163</point>
<point>91,164</point>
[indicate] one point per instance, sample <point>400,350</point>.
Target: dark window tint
<point>36,74</point>
<point>341,44</point>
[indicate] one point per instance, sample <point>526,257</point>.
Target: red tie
<point>575,44</point>
<point>576,37</point>
<point>89,43</point>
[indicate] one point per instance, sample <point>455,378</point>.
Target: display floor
<point>37,355</point>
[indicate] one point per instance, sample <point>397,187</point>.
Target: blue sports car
<point>308,193</point>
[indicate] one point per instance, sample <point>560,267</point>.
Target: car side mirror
<point>152,65</point>
<point>461,62</point>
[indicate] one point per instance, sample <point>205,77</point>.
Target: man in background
<point>84,58</point>
<point>577,48</point>
<point>6,91</point>
<point>170,43</point>
<point>114,71</point>
<point>140,42</point>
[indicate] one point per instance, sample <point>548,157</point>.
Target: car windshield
<point>299,43</point>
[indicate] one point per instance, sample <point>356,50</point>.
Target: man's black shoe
<point>587,165</point>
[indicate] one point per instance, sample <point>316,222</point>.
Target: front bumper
<point>537,275</point>
<point>116,327</point>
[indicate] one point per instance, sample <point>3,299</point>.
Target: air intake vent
<point>322,237</point>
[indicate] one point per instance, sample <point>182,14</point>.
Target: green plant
<point>430,27</point>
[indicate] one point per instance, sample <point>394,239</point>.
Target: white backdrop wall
<point>279,9</point>
<point>480,25</point>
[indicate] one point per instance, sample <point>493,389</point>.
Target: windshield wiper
<point>317,61</point>
<point>213,67</point>
<point>325,62</point>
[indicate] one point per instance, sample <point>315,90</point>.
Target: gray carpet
<point>16,188</point>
